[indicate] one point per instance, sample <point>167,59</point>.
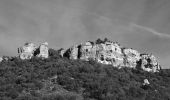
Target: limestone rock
<point>110,53</point>
<point>131,57</point>
<point>146,82</point>
<point>87,51</point>
<point>107,52</point>
<point>1,59</point>
<point>149,63</point>
<point>61,52</point>
<point>74,52</point>
<point>26,52</point>
<point>43,50</point>
<point>30,49</point>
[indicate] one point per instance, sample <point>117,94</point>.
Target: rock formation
<point>149,63</point>
<point>1,59</point>
<point>108,52</point>
<point>43,50</point>
<point>131,57</point>
<point>105,52</point>
<point>27,51</point>
<point>30,49</point>
<point>146,82</point>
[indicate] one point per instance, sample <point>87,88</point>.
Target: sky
<point>140,24</point>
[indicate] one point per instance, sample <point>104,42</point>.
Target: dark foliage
<point>59,78</point>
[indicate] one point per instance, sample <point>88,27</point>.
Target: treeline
<point>58,78</point>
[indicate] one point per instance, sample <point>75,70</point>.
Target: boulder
<point>149,63</point>
<point>146,82</point>
<point>43,50</point>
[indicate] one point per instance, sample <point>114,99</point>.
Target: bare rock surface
<point>131,57</point>
<point>105,52</point>
<point>149,63</point>
<point>27,51</point>
<point>1,59</point>
<point>146,82</point>
<point>43,50</point>
<point>108,52</point>
<point>30,49</point>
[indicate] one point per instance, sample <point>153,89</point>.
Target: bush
<point>31,80</point>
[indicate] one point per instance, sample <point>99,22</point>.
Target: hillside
<point>100,70</point>
<point>59,78</point>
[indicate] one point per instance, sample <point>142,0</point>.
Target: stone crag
<point>30,49</point>
<point>105,52</point>
<point>108,52</point>
<point>1,59</point>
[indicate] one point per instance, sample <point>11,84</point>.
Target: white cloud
<point>162,35</point>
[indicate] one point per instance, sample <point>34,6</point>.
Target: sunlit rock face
<point>30,49</point>
<point>106,53</point>
<point>149,63</point>
<point>27,51</point>
<point>1,59</point>
<point>61,52</point>
<point>131,57</point>
<point>74,52</point>
<point>146,82</point>
<point>112,53</point>
<point>87,51</point>
<point>43,50</point>
<point>109,53</point>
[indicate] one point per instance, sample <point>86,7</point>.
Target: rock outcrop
<point>1,59</point>
<point>112,53</point>
<point>131,57</point>
<point>43,50</point>
<point>30,49</point>
<point>105,52</point>
<point>27,51</point>
<point>149,63</point>
<point>146,82</point>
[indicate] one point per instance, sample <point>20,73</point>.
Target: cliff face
<point>112,53</point>
<point>29,50</point>
<point>105,52</point>
<point>1,59</point>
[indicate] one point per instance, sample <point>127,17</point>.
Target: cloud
<point>161,35</point>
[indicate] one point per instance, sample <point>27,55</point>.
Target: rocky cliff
<point>30,49</point>
<point>108,52</point>
<point>105,52</point>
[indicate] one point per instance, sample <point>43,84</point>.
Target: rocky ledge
<point>108,52</point>
<point>102,51</point>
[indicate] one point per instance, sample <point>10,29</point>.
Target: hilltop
<point>76,73</point>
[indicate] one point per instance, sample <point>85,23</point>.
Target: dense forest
<point>59,78</point>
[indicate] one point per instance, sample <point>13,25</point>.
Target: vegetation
<point>59,78</point>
